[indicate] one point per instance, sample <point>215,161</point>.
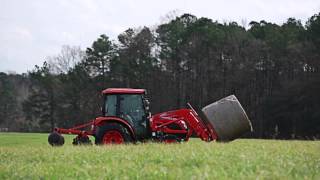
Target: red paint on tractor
<point>113,137</point>
<point>123,91</point>
<point>161,121</point>
<point>76,129</point>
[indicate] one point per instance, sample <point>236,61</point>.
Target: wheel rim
<point>113,137</point>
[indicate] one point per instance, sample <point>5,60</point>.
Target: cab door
<point>132,110</point>
<point>129,107</point>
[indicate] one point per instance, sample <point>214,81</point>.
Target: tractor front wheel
<point>112,133</point>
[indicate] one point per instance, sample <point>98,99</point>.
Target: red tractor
<point>126,118</point>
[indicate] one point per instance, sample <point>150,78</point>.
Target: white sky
<point>31,30</point>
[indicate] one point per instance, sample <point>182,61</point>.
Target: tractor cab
<point>129,105</point>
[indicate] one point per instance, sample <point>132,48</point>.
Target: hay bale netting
<point>228,118</point>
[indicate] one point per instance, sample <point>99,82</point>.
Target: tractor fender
<point>99,121</point>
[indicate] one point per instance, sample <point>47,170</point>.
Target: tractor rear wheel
<point>112,133</point>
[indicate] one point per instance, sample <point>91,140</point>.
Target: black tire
<point>55,139</point>
<point>100,132</point>
<point>84,140</point>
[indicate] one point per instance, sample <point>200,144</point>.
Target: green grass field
<point>28,156</point>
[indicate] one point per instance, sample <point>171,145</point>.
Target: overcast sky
<point>31,30</point>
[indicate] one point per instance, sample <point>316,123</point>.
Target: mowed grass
<point>28,156</point>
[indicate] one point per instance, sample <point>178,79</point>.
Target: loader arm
<point>195,124</point>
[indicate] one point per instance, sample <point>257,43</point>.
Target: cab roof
<point>123,91</point>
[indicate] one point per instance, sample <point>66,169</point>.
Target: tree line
<point>272,69</point>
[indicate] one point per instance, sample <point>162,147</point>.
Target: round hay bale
<point>228,118</point>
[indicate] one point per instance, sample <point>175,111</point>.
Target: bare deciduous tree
<point>66,59</point>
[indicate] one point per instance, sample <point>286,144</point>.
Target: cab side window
<point>110,106</point>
